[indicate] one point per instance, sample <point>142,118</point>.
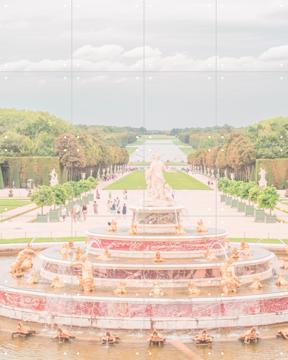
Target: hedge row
<point>20,169</point>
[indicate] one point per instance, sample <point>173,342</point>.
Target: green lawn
<point>42,239</point>
<point>131,149</point>
<point>133,181</point>
<point>10,204</point>
<point>181,181</point>
<point>177,180</point>
<point>186,149</point>
<point>82,238</point>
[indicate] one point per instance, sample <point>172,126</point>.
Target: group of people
<point>115,206</point>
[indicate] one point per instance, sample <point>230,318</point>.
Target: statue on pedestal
<point>262,181</point>
<point>157,187</point>
<point>53,178</point>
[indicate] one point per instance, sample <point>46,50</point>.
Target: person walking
<point>84,212</point>
<point>124,209</point>
<point>95,208</point>
<point>63,213</point>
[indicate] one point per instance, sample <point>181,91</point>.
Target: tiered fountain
<point>154,274</point>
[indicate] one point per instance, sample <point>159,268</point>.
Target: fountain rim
<point>106,264</point>
<point>148,300</point>
<point>144,237</point>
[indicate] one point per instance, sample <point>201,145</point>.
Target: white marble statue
<point>262,175</point>
<point>53,178</point>
<point>157,187</point>
<point>232,176</point>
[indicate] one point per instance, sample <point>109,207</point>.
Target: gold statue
<point>179,229</point>
<point>34,279</point>
<point>192,289</point>
<point>234,254</point>
<point>23,262</point>
<point>106,255</point>
<point>110,339</point>
<point>121,289</point>
<point>203,337</point>
<point>245,249</point>
<point>78,253</point>
<point>229,282</point>
<point>112,226</point>
<point>209,255</point>
<point>249,336</point>
<point>56,283</point>
<point>285,265</point>
<point>200,228</point>
<point>23,330</point>
<point>256,284</point>
<point>67,249</point>
<point>281,281</point>
<point>157,257</point>
<point>86,279</point>
<point>156,338</point>
<point>133,229</point>
<point>156,290</point>
<point>63,335</point>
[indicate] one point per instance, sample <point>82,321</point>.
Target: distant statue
<point>262,181</point>
<point>157,187</point>
<point>53,178</point>
<point>232,176</point>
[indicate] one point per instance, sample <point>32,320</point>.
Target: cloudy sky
<point>183,42</point>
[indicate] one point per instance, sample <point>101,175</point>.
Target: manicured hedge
<point>1,179</point>
<point>20,169</point>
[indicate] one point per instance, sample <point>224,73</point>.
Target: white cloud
<point>275,53</point>
<point>138,52</point>
<point>116,58</point>
<point>94,54</point>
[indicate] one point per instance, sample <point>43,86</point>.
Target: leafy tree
<point>268,198</point>
<point>68,187</point>
<point>60,194</point>
<point>43,196</point>
<point>70,152</point>
<point>254,192</point>
<point>13,144</point>
<point>245,188</point>
<point>84,185</point>
<point>241,155</point>
<point>92,181</point>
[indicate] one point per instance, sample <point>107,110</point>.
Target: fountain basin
<point>145,313</point>
<point>190,244</point>
<point>169,273</point>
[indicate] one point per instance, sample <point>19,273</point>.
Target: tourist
<point>95,208</point>
<point>77,212</point>
<point>125,194</point>
<point>97,194</point>
<point>124,209</point>
<point>73,213</point>
<point>63,213</point>
<point>84,212</point>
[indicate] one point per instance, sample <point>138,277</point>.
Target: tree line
<point>80,148</point>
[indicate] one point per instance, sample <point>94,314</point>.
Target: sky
<point>183,41</point>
